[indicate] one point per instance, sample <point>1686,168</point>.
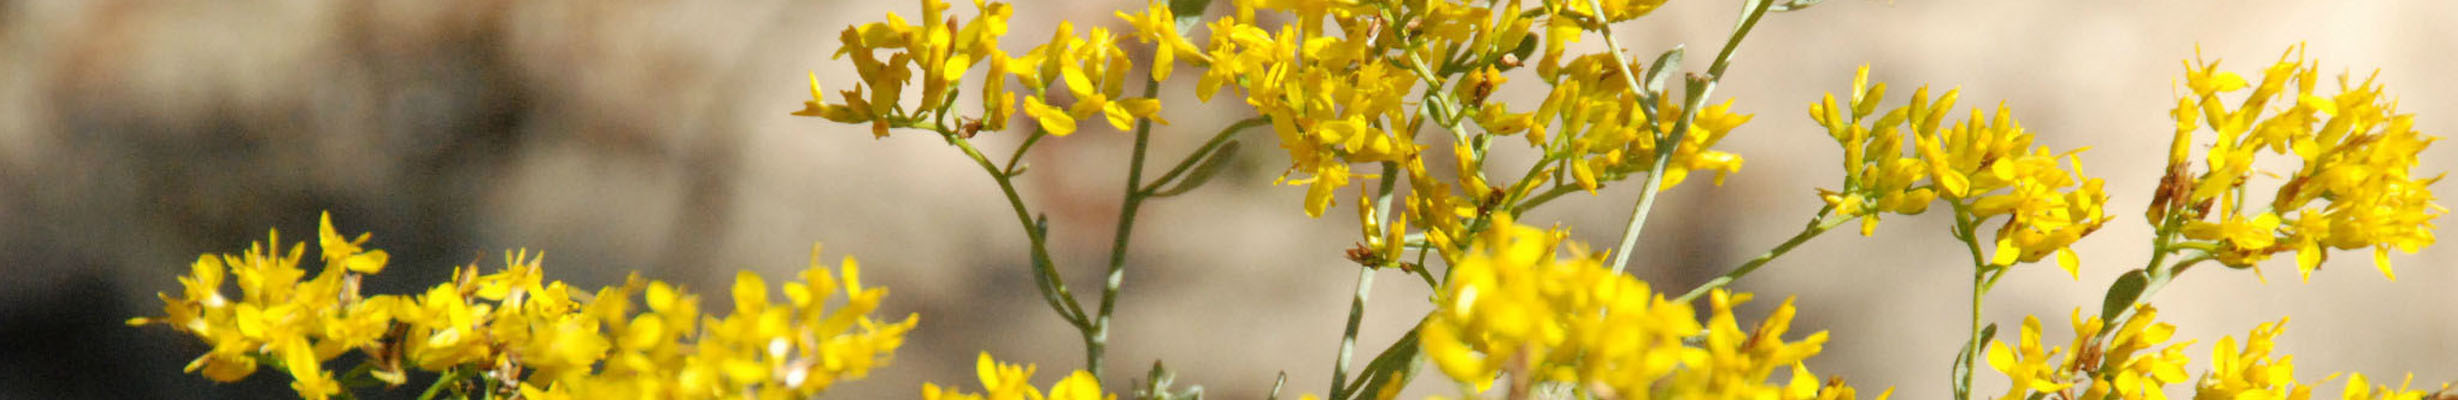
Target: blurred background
<point>652,136</point>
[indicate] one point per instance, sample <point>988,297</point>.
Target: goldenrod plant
<point>1394,100</point>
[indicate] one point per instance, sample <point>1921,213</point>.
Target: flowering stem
<point>1203,153</point>
<point>1541,198</point>
<point>1097,340</point>
<point>1817,225</point>
<point>450,377</point>
<point>1365,283</point>
<point>1045,273</point>
<point>2157,273</point>
<point>1695,95</point>
<point>1017,158</point>
<point>1984,273</point>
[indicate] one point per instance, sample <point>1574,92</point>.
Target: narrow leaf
<point>1212,164</point>
<point>1794,5</point>
<point>2123,293</point>
<point>1663,68</point>
<point>1189,12</point>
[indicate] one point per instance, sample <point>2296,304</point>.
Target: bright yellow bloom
<point>2249,372</point>
<point>1004,381</point>
<point>944,51</point>
<point>1511,305</point>
<point>2358,388</point>
<point>1609,138</point>
<point>2358,153</point>
<point>1879,178</point>
<point>1615,10</point>
<point>543,337</point>
<point>1092,70</point>
<point>2129,365</point>
<point>1158,24</point>
<point>281,314</point>
<point>2032,367</point>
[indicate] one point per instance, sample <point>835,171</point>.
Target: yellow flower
<point>2358,153</point>
<point>1879,178</point>
<point>1511,305</point>
<point>282,314</point>
<point>1004,381</point>
<point>2359,388</point>
<point>2129,366</point>
<point>1158,24</point>
<point>2249,372</point>
<point>2031,367</point>
<point>1609,139</point>
<point>1615,10</point>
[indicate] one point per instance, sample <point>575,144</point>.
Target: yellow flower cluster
<point>1003,381</point>
<point>1878,177</point>
<point>2250,373</point>
<point>2356,188</point>
<point>518,332</point>
<point>1333,103</point>
<point>1512,305</point>
<point>278,317</point>
<point>1092,69</point>
<point>1611,139</point>
<point>1985,166</point>
<point>2359,388</point>
<point>1338,95</point>
<point>2128,363</point>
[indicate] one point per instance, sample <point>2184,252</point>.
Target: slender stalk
<point>1053,287</point>
<point>1348,336</point>
<point>1098,342</point>
<point>1696,95</point>
<point>1201,153</point>
<point>449,377</point>
<point>1017,158</point>
<point>1971,349</point>
<point>1365,283</point>
<point>1541,198</point>
<point>1818,225</point>
<point>1966,229</point>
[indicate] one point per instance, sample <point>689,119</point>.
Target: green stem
<point>1818,225</point>
<point>1541,198</point>
<point>1098,341</point>
<point>1200,153</point>
<point>1045,273</point>
<point>1966,229</point>
<point>1348,336</point>
<point>1016,159</point>
<point>1696,95</point>
<point>447,379</point>
<point>1365,282</point>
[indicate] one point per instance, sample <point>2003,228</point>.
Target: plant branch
<point>1365,281</point>
<point>1201,153</point>
<point>1045,273</point>
<point>1696,94</point>
<point>1817,225</point>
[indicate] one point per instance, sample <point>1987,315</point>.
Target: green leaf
<point>1963,361</point>
<point>1396,362</point>
<point>1277,383</point>
<point>1527,47</point>
<point>1189,12</point>
<point>1662,69</point>
<point>2123,293</point>
<point>1793,5</point>
<point>1211,166</point>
